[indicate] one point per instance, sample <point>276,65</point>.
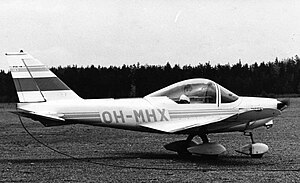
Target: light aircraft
<point>196,107</point>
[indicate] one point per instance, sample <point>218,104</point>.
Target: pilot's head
<point>187,89</point>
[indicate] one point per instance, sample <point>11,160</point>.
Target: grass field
<point>111,155</point>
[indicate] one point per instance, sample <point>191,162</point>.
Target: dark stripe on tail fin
<point>25,84</point>
<point>44,84</point>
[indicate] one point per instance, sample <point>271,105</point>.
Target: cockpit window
<point>196,91</point>
<point>193,93</point>
<point>227,96</point>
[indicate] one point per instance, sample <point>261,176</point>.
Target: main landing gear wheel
<point>255,150</point>
<point>188,147</point>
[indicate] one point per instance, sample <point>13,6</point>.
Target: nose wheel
<point>255,150</point>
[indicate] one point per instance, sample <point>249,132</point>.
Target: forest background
<point>271,79</point>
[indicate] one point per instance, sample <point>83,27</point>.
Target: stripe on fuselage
<point>122,116</point>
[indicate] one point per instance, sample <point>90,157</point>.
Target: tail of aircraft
<point>34,82</point>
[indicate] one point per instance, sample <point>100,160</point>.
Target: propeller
<point>283,104</point>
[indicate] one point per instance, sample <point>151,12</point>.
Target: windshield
<point>227,96</point>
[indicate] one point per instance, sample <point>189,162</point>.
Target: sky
<point>117,32</point>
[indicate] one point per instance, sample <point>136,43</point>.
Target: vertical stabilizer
<point>34,82</point>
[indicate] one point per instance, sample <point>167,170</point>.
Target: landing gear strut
<point>255,150</point>
<point>251,136</point>
<point>203,137</point>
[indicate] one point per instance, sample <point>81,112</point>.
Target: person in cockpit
<point>184,99</point>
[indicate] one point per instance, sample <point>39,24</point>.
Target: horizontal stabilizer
<point>37,116</point>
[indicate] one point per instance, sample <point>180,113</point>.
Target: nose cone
<point>283,104</point>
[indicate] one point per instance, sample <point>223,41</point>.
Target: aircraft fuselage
<point>131,113</point>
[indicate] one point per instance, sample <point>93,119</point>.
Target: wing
<point>187,123</point>
<point>244,117</point>
<point>215,121</point>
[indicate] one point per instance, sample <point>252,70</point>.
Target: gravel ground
<point>111,155</point>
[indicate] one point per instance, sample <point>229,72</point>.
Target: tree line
<point>264,79</point>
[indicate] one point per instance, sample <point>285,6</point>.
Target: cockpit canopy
<point>196,91</point>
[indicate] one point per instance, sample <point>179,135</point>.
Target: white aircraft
<point>196,107</point>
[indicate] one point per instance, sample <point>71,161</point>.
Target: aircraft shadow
<point>149,159</point>
<point>237,160</point>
